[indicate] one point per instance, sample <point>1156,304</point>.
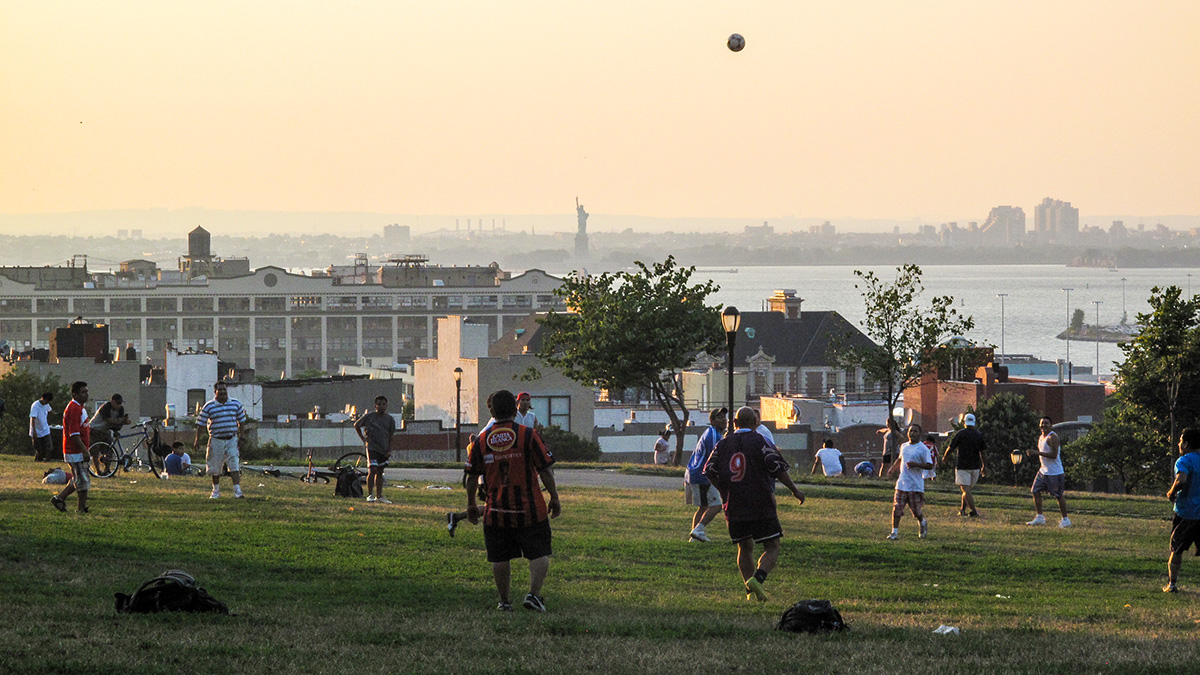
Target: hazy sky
<point>839,108</point>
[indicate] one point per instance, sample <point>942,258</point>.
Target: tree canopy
<point>19,388</point>
<point>905,334</point>
<point>1007,423</point>
<point>636,329</point>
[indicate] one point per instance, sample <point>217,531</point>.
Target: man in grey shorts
<point>970,463</point>
<point>1051,477</point>
<point>700,491</point>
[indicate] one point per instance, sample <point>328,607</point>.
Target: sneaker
<point>893,536</point>
<point>973,514</point>
<point>1039,520</point>
<point>962,513</point>
<point>924,529</point>
<point>1170,588</point>
<point>699,535</point>
<point>451,523</point>
<point>237,493</point>
<point>215,494</point>
<point>383,500</point>
<point>754,587</point>
<point>1065,522</point>
<point>504,606</point>
<point>371,498</point>
<point>750,596</point>
<point>58,503</point>
<point>534,602</point>
<point>83,509</point>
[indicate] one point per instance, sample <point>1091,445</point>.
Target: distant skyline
<point>929,110</point>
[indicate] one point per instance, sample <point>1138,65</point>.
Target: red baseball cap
<point>522,395</point>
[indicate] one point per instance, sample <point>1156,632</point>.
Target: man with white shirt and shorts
<point>224,418</point>
<point>829,459</point>
<point>912,461</point>
<point>700,491</point>
<point>1051,477</point>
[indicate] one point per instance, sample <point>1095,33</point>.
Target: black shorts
<point>1185,533</point>
<point>758,530</point>
<point>887,462</point>
<point>505,543</point>
<point>377,459</point>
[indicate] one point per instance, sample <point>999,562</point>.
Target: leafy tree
<point>1077,322</point>
<point>1007,423</point>
<point>1123,447</point>
<point>409,412</point>
<point>634,329</point>
<point>904,334</point>
<point>19,388</point>
<point>570,447</point>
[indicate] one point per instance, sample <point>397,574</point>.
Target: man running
<point>1185,530</point>
<point>970,463</point>
<point>912,461</point>
<point>1051,477</point>
<point>699,490</point>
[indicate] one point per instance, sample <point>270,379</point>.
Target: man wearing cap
<point>525,416</point>
<point>970,465</point>
<point>697,486</point>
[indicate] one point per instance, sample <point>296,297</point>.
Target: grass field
<point>323,584</point>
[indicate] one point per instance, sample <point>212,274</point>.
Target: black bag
<point>349,483</point>
<point>811,616</point>
<point>172,591</point>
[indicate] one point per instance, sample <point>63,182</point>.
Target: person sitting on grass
<point>1185,529</point>
<point>912,461</point>
<point>178,463</point>
<point>741,468</point>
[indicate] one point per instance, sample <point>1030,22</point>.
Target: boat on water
<point>717,270</point>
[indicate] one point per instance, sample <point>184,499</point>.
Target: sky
<point>835,109</point>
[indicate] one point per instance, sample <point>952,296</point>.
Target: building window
<point>198,305</point>
<point>552,411</point>
<point>241,304</point>
<point>269,304</point>
<point>58,305</point>
<point>306,301</point>
<point>162,304</point>
<point>125,306</point>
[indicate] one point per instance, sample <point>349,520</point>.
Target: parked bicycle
<point>145,455</point>
<point>353,460</point>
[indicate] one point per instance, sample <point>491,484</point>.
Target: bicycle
<point>107,458</point>
<point>353,460</point>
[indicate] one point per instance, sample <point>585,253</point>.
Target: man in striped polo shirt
<point>511,458</point>
<point>224,418</point>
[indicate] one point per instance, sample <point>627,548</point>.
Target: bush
<point>19,389</point>
<point>1008,423</point>
<point>569,447</point>
<point>252,451</point>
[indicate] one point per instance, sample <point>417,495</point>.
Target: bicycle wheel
<point>356,460</point>
<point>105,460</point>
<point>156,463</point>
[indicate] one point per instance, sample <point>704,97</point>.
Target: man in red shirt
<point>511,457</point>
<point>76,439</point>
<point>741,468</point>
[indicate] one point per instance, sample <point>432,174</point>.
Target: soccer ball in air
<point>736,42</point>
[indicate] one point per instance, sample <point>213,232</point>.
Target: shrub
<point>569,447</point>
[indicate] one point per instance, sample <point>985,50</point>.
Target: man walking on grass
<point>970,463</point>
<point>741,467</point>
<point>224,418</point>
<point>912,461</point>
<point>76,440</point>
<point>698,490</point>
<point>39,427</point>
<point>1051,477</point>
<point>375,430</point>
<point>1185,493</point>
<point>511,457</point>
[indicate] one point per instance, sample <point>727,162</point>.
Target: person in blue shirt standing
<point>699,490</point>
<point>1185,530</point>
<point>224,418</point>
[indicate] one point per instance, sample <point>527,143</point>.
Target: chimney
<point>785,301</point>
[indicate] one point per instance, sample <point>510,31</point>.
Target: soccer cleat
<point>451,523</point>
<point>893,536</point>
<point>216,494</point>
<point>383,500</point>
<point>504,606</point>
<point>371,498</point>
<point>924,529</point>
<point>1039,520</point>
<point>534,602</point>
<point>754,586</point>
<point>1065,522</point>
<point>58,503</point>
<point>699,535</point>
<point>1170,588</point>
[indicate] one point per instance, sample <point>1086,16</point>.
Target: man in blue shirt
<point>223,417</point>
<point>699,490</point>
<point>1185,530</point>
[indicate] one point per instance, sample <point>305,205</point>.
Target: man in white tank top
<point>1051,477</point>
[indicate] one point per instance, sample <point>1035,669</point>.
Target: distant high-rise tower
<point>581,238</point>
<point>1056,217</point>
<point>1005,224</point>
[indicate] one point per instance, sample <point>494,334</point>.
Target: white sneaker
<point>893,536</point>
<point>924,529</point>
<point>699,535</point>
<point>237,493</point>
<point>370,498</point>
<point>1065,522</point>
<point>1039,520</point>
<point>215,494</point>
<point>383,500</point>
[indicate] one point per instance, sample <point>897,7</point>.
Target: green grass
<point>322,584</point>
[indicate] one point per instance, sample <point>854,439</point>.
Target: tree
<point>1076,322</point>
<point>1124,447</point>
<point>905,335</point>
<point>19,388</point>
<point>570,447</point>
<point>634,329</point>
<point>1007,423</point>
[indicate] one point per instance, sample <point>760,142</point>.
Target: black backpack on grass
<point>349,483</point>
<point>811,616</point>
<point>172,591</point>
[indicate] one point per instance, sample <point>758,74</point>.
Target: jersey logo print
<point>501,439</point>
<point>737,467</point>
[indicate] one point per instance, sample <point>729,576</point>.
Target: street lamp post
<point>458,414</point>
<point>1123,314</point>
<point>731,320</point>
<point>1068,290</point>
<point>1002,296</point>
<point>1097,303</point>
